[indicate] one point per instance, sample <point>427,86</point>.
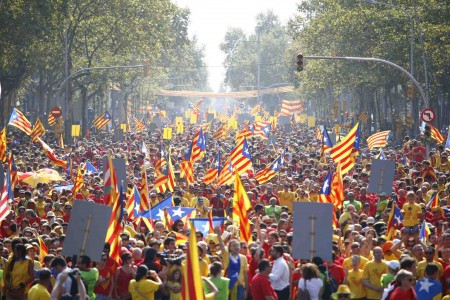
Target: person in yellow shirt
<point>429,259</point>
<point>355,251</point>
<point>286,197</point>
<point>142,288</point>
<point>302,195</point>
<point>39,291</point>
<point>353,278</point>
<point>411,216</point>
<point>372,272</point>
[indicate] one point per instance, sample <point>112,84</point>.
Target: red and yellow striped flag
<point>241,205</point>
<point>3,145</point>
<point>115,224</point>
<point>378,139</point>
<point>337,188</point>
<point>51,120</point>
<point>43,249</point>
<point>435,134</point>
<point>78,182</point>
<point>192,286</point>
<point>38,130</point>
<point>19,121</point>
<point>143,191</point>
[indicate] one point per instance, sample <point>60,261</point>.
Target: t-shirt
<point>420,271</point>
<point>347,264</point>
<point>90,279</point>
<point>373,271</point>
<point>286,199</point>
<point>221,284</point>
<point>428,289</point>
<point>355,283</point>
<point>313,285</point>
<point>399,293</point>
<point>261,287</point>
<point>38,292</point>
<point>410,215</point>
<point>146,287</point>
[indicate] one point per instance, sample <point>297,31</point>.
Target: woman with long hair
<point>173,285</point>
<point>405,286</point>
<point>140,287</point>
<point>19,273</point>
<point>311,281</point>
<point>124,274</point>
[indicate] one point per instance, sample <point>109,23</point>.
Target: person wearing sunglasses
<point>405,286</point>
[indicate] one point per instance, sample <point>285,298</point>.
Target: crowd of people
<point>367,261</point>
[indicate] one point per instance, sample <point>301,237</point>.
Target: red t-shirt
<point>261,287</point>
<point>399,293</point>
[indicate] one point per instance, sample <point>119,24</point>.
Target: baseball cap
<point>393,264</point>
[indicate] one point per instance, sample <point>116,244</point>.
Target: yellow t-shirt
<point>420,271</point>
<point>347,264</point>
<point>174,296</point>
<point>146,287</point>
<point>194,201</point>
<point>38,292</point>
<point>410,214</point>
<point>244,266</point>
<point>286,199</point>
<point>355,283</point>
<point>373,271</point>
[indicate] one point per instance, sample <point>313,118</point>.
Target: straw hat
<point>342,289</point>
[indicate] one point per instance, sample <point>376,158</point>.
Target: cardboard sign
<point>180,129</point>
<point>167,133</point>
<point>87,229</point>
<point>119,136</point>
<point>302,118</point>
<point>381,176</point>
<point>283,120</point>
<point>123,127</point>
<point>311,121</point>
<point>193,119</point>
<point>179,120</point>
<point>76,130</point>
<point>187,114</point>
<point>313,231</point>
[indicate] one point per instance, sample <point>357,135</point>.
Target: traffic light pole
<point>410,76</point>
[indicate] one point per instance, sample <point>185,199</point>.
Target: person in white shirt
<point>311,281</point>
<point>279,277</point>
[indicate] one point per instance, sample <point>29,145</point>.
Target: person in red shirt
<point>405,288</point>
<point>67,212</point>
<point>261,286</point>
<point>418,151</point>
<point>5,231</point>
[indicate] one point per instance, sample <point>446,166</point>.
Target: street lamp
<point>411,55</point>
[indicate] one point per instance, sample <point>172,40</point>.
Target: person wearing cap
<point>393,266</point>
<point>412,213</point>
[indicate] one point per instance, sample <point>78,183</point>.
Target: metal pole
<point>413,80</point>
<point>258,75</point>
<point>66,75</point>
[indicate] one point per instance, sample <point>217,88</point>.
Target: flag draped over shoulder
<point>241,205</point>
<point>19,121</point>
<point>378,140</point>
<point>192,285</point>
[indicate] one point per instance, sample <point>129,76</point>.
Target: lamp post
<point>411,55</point>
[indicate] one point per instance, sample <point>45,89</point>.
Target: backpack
<point>303,294</point>
<point>330,286</point>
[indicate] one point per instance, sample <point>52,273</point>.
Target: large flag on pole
<point>192,285</point>
<point>19,121</point>
<point>102,120</point>
<point>38,130</point>
<point>239,159</point>
<point>289,108</point>
<point>436,135</point>
<point>198,146</point>
<point>241,205</point>
<point>214,171</point>
<point>378,140</point>
<point>269,172</point>
<point>115,226</point>
<point>143,191</point>
<point>51,155</point>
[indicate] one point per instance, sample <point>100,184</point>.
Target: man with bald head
<point>373,270</point>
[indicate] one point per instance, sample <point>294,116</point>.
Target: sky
<point>211,19</point>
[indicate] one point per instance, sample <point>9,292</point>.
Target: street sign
<point>427,115</point>
<point>56,112</point>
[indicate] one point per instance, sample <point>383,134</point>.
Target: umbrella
<point>33,178</point>
<point>47,171</point>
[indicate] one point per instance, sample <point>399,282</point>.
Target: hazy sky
<point>210,20</point>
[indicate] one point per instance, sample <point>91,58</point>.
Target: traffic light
<point>146,68</point>
<point>299,62</point>
<point>410,91</point>
<point>427,133</point>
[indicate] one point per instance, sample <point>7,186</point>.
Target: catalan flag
<point>19,121</point>
<point>214,171</point>
<point>138,125</point>
<point>192,286</point>
<point>175,213</point>
<point>433,202</point>
<point>378,140</point>
<point>187,167</point>
<point>241,205</point>
<point>102,120</point>
<point>78,183</point>
<point>157,211</point>
<point>326,141</point>
<point>436,135</point>
<point>4,199</point>
<point>363,117</point>
<point>109,184</point>
<point>262,129</point>
<point>195,109</point>
<point>424,232</point>
<point>207,225</point>
<point>240,159</point>
<point>245,133</point>
<point>342,151</point>
<point>337,188</point>
<point>133,206</point>
<point>325,190</point>
<point>3,145</point>
<point>318,134</point>
<point>51,155</point>
<point>61,141</point>
<point>255,110</point>
<point>206,127</point>
<point>38,130</point>
<point>51,120</point>
<point>115,224</point>
<point>269,172</point>
<point>198,146</point>
<point>143,191</point>
<point>395,218</point>
<point>43,250</point>
<point>289,108</point>
<point>166,179</point>
<point>220,134</point>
